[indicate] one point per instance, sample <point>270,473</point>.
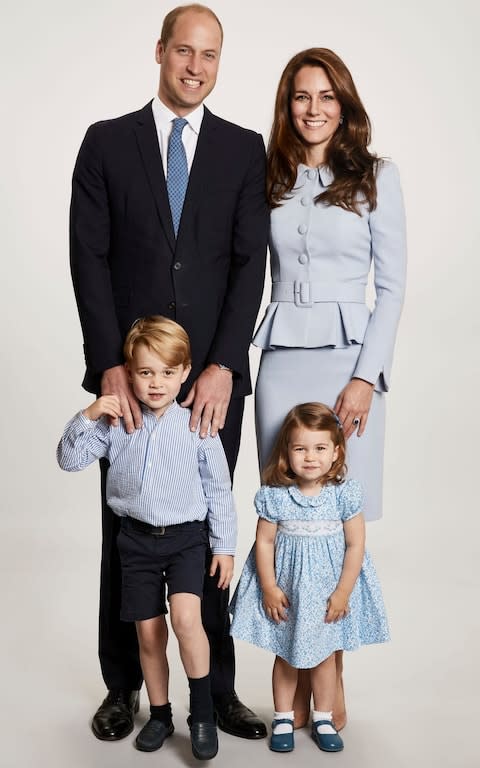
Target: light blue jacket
<point>320,260</point>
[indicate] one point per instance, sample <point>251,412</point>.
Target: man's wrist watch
<point>224,367</point>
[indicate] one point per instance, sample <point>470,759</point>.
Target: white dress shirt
<point>163,117</point>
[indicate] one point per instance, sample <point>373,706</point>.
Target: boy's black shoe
<point>204,739</point>
<point>152,735</point>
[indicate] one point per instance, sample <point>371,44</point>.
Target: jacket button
<point>302,229</point>
<point>306,200</point>
<point>172,305</point>
<point>312,174</point>
<point>177,265</point>
<point>303,258</point>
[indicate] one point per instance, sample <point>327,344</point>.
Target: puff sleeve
<point>349,499</point>
<point>264,506</point>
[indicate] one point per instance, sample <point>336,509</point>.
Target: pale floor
<point>413,702</point>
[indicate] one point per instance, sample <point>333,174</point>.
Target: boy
<point>163,481</point>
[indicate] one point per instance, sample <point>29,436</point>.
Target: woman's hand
<point>353,405</point>
<point>337,606</point>
<point>275,603</point>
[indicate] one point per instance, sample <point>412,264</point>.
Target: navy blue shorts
<point>155,558</point>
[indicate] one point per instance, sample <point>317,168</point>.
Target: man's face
<point>189,62</point>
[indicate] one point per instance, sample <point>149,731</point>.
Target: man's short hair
<point>171,18</point>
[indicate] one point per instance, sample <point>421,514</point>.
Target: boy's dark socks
<point>162,713</point>
<point>201,702</point>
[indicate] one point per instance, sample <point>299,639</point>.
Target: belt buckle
<point>302,294</point>
<point>160,531</point>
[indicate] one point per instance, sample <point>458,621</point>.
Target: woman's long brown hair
<point>352,165</point>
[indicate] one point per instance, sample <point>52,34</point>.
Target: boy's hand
<point>224,564</point>
<point>275,603</point>
<point>106,405</point>
<point>337,606</point>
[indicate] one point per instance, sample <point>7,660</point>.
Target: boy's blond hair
<point>164,337</point>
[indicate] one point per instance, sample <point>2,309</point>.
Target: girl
<point>308,588</point>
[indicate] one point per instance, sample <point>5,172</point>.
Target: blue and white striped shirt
<point>163,473</point>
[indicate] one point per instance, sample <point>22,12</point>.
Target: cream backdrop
<point>66,64</point>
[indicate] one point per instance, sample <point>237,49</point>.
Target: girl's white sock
<point>283,727</point>
<point>323,716</point>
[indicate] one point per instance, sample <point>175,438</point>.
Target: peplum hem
<point>325,324</point>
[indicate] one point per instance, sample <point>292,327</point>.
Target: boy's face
<point>154,382</point>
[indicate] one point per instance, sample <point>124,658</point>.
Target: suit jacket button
<point>172,305</point>
<point>177,265</point>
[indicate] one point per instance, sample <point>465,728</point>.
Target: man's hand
<point>210,395</point>
<point>115,382</point>
<point>224,564</point>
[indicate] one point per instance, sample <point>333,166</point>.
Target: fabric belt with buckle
<point>304,293</point>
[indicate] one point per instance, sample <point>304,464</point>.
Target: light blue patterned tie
<point>177,171</point>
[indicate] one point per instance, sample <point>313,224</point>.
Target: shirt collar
<point>306,501</point>
<point>324,173</point>
<point>147,412</point>
<point>163,116</point>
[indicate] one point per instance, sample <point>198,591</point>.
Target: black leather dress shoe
<point>237,719</point>
<point>113,719</point>
<point>152,735</point>
<point>204,739</point>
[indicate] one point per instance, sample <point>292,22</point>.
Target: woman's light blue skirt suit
<point>318,332</point>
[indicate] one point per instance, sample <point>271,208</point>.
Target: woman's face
<point>315,111</point>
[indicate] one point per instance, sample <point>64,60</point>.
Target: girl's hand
<point>354,403</point>
<point>224,564</point>
<point>106,405</point>
<point>275,603</point>
<point>337,606</point>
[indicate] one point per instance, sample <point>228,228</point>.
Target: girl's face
<point>311,454</point>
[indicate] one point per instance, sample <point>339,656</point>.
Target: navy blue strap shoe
<point>328,742</point>
<point>282,742</point>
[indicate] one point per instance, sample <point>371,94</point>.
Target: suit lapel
<point>147,139</point>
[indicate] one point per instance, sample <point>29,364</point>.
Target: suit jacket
<point>126,262</point>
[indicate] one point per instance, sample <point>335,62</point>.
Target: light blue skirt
<point>288,377</point>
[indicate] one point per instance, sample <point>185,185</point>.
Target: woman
<point>336,210</point>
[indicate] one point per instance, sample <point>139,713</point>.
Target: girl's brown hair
<point>314,416</point>
<point>352,165</point>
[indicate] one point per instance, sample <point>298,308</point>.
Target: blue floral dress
<point>309,552</point>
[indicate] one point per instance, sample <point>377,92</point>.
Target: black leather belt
<point>159,530</point>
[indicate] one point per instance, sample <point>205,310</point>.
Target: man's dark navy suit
<point>126,263</point>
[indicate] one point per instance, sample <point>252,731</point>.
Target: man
<point>169,217</point>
